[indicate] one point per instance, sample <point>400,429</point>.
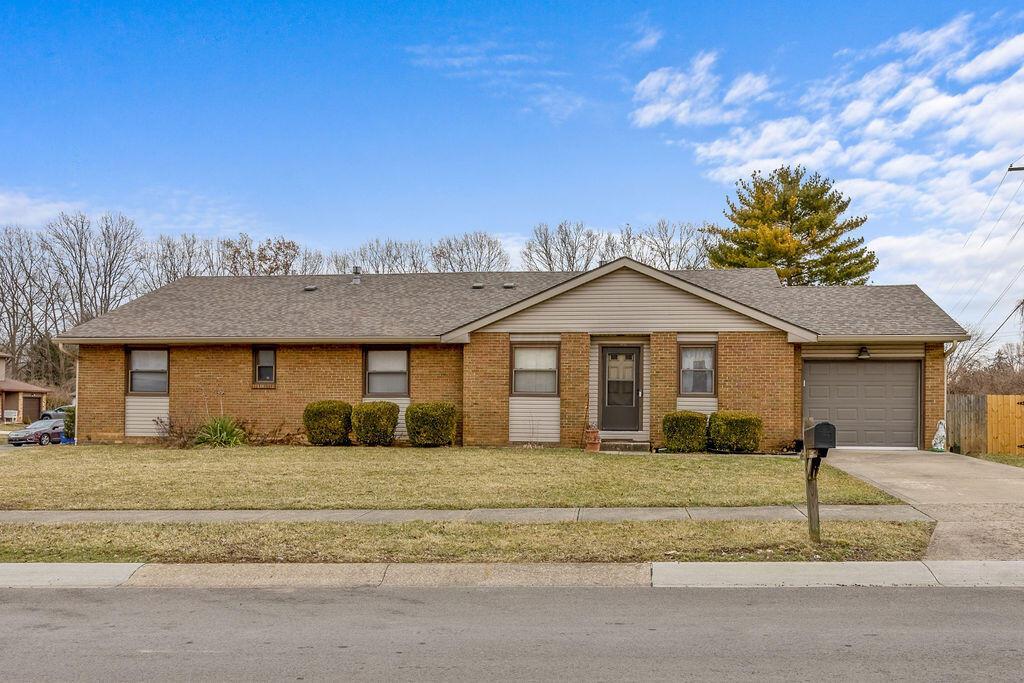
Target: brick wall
<point>101,383</point>
<point>485,389</point>
<point>933,399</point>
<point>211,380</point>
<point>574,387</point>
<point>756,372</point>
<point>664,381</point>
<point>437,376</point>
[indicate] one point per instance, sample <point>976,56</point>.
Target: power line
<point>991,336</point>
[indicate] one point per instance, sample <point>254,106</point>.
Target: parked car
<point>54,413</point>
<point>42,432</point>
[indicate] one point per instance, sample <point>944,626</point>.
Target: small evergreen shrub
<point>685,431</point>
<point>328,423</point>
<point>431,424</point>
<point>734,431</point>
<point>69,422</point>
<point>374,423</point>
<point>220,432</point>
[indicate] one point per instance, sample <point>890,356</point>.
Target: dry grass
<point>461,542</point>
<point>280,477</point>
<point>10,427</point>
<point>1004,458</point>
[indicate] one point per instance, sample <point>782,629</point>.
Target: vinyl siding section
<point>626,301</point>
<point>850,351</point>
<point>699,404</point>
<point>141,413</point>
<point>595,394</point>
<point>402,403</point>
<point>534,419</point>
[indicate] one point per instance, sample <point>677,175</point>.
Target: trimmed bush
<point>69,422</point>
<point>374,423</point>
<point>220,432</point>
<point>734,431</point>
<point>685,431</point>
<point>328,423</point>
<point>431,424</point>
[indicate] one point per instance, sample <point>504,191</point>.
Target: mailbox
<point>820,437</point>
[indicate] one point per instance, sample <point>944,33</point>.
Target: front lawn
<point>131,477</point>
<point>462,542</point>
<point>1004,458</point>
<point>10,427</point>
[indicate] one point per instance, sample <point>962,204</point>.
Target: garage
<point>871,402</point>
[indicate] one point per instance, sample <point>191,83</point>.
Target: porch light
<point>863,354</point>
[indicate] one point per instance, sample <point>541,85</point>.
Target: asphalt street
<point>540,634</point>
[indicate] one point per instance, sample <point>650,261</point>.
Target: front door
<point>621,388</point>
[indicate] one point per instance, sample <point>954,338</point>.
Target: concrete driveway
<point>979,505</point>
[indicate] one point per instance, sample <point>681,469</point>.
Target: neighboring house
<point>527,357</point>
<point>20,401</point>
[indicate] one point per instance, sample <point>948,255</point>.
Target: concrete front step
<point>620,446</point>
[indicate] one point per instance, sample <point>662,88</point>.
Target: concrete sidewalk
<point>892,513</point>
<point>492,575</point>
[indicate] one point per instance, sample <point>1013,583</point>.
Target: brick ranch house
<point>527,357</point>
<point>19,401</point>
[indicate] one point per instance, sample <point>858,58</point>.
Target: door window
<point>620,379</point>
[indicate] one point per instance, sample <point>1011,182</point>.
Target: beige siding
<point>402,402</point>
<point>141,413</point>
<point>534,419</point>
<point>626,301</point>
<point>877,351</point>
<point>3,368</point>
<point>595,394</point>
<point>700,404</point>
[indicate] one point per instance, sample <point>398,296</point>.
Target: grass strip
<point>134,477</point>
<point>1004,458</point>
<point>461,542</point>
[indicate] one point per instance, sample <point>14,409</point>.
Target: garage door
<point>872,403</point>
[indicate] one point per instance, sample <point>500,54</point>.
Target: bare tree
<point>168,258</point>
<point>677,246</point>
<point>626,242</point>
<point>392,256</point>
<point>472,252</point>
<point>570,247</point>
<point>242,256</point>
<point>340,262</point>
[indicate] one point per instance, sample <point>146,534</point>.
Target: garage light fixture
<point>863,354</point>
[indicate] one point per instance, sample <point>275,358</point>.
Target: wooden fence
<point>985,424</point>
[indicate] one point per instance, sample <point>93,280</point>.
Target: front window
<point>147,371</point>
<point>387,372</point>
<point>535,370</point>
<point>265,361</point>
<point>697,371</point>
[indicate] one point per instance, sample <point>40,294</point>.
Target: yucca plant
<point>220,432</point>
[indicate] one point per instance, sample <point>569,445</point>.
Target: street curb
<point>929,573</point>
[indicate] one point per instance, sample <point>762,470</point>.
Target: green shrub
<point>685,431</point>
<point>374,423</point>
<point>431,424</point>
<point>220,432</point>
<point>328,423</point>
<point>734,431</point>
<point>69,422</point>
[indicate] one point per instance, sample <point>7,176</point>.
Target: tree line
<point>79,266</point>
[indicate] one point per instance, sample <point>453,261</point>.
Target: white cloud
<point>1008,53</point>
<point>19,208</point>
<point>749,87</point>
<point>692,96</point>
<point>931,44</point>
<point>647,37</point>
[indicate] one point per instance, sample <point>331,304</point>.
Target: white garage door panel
<point>872,403</point>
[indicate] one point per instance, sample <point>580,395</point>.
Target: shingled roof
<point>427,305</point>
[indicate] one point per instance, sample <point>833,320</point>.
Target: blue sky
<point>335,122</point>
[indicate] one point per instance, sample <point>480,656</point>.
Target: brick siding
<point>933,399</point>
<point>101,384</point>
<point>664,381</point>
<point>485,389</point>
<point>574,387</point>
<point>436,375</point>
<point>756,373</point>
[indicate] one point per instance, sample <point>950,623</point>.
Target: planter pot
<point>592,440</point>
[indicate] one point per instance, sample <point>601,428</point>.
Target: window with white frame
<point>387,372</point>
<point>147,371</point>
<point>535,370</point>
<point>697,370</point>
